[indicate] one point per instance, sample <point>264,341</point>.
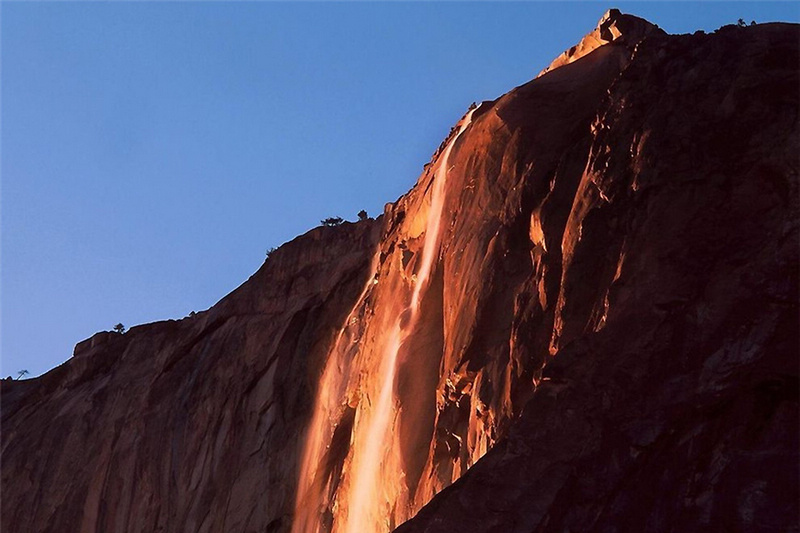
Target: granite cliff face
<point>584,317</point>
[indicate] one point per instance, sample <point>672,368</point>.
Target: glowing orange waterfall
<point>370,494</point>
<point>332,386</point>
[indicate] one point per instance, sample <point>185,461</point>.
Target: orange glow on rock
<point>369,493</point>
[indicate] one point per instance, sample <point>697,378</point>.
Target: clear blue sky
<point>152,152</point>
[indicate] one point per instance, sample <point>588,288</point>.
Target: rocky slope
<point>189,425</point>
<point>589,300</point>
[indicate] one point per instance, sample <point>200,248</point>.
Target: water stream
<point>372,485</point>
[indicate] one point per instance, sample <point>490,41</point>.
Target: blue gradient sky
<point>152,152</point>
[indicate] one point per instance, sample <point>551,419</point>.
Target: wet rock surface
<point>606,338</point>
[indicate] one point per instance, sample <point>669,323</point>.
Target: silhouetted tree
<point>22,373</point>
<point>741,23</point>
<point>362,215</point>
<point>332,221</point>
<point>119,328</point>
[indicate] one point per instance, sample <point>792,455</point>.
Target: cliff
<point>583,316</point>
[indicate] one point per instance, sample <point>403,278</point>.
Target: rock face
<point>583,317</point>
<point>671,237</point>
<point>189,425</point>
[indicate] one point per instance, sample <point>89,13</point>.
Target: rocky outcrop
<point>583,317</point>
<point>671,401</point>
<point>613,27</point>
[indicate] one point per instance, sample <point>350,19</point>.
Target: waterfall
<point>372,482</point>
